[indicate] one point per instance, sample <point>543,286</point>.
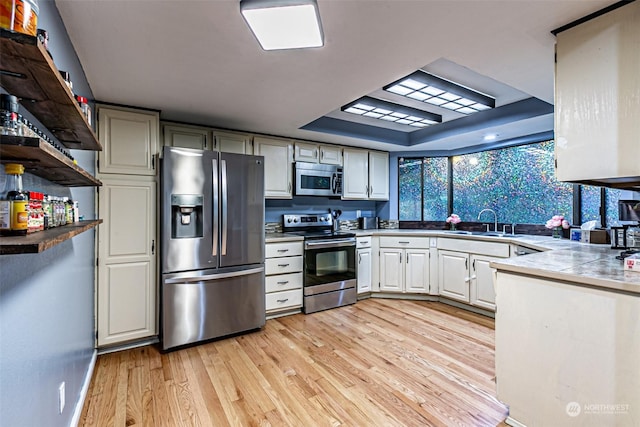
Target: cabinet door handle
<point>407,258</point>
<point>359,258</point>
<point>322,154</point>
<point>153,162</point>
<point>402,242</point>
<point>283,283</point>
<point>370,190</point>
<point>283,300</point>
<point>315,154</point>
<point>153,247</point>
<point>466,264</point>
<point>289,187</point>
<point>473,265</point>
<point>283,265</point>
<point>283,250</point>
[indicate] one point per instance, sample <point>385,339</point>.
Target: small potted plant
<point>557,223</point>
<point>452,220</point>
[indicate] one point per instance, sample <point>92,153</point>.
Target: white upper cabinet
<point>597,105</point>
<point>314,153</point>
<point>278,161</point>
<point>233,142</point>
<point>331,155</point>
<point>186,136</point>
<point>355,179</point>
<point>129,139</point>
<point>378,175</point>
<point>309,153</point>
<point>366,175</point>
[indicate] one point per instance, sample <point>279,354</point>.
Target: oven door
<point>329,261</point>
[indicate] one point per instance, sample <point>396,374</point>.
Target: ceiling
<point>198,62</point>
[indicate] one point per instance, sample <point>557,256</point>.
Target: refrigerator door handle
<point>218,276</point>
<point>223,166</point>
<point>214,249</point>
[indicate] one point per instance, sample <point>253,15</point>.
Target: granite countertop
<point>583,264</point>
<point>560,259</point>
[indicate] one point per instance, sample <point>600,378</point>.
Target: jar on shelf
<point>8,114</point>
<point>84,106</point>
<point>14,208</point>
<point>20,16</point>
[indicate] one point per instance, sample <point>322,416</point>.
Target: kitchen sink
<point>493,234</point>
<point>482,233</point>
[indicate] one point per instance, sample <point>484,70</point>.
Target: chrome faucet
<point>495,218</point>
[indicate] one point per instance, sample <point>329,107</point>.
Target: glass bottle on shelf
<point>15,202</point>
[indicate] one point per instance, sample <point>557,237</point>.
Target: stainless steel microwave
<point>314,179</point>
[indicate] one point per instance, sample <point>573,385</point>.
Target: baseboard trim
<point>77,412</point>
<point>510,421</point>
<point>128,345</point>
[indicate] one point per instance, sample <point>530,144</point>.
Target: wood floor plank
<point>380,362</point>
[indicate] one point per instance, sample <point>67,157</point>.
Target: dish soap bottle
<point>14,207</point>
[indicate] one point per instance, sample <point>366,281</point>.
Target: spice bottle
<point>8,115</point>
<point>18,202</point>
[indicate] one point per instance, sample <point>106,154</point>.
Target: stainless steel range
<point>329,261</point>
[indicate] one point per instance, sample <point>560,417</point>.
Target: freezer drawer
<point>197,308</point>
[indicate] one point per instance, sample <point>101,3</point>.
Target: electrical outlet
<point>61,396</point>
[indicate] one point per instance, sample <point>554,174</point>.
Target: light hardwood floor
<point>381,362</point>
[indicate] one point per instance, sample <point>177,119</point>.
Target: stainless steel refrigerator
<point>212,216</point>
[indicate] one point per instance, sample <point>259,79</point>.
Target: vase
<point>557,233</point>
<point>452,226</point>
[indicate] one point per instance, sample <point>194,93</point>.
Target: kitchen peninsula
<point>568,338</point>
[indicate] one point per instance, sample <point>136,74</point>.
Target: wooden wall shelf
<point>43,240</point>
<point>42,159</point>
<point>28,72</point>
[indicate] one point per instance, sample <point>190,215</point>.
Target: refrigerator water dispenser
<point>186,216</point>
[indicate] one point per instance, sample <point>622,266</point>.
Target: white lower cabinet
<point>283,276</point>
<point>126,296</point>
<point>405,266</point>
<point>453,275</point>
<point>466,276</point>
<point>363,246</point>
<point>482,293</point>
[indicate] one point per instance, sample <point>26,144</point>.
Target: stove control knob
<point>323,218</point>
<point>288,219</point>
<point>295,220</point>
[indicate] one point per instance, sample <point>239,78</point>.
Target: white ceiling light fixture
<point>284,24</point>
<point>390,112</point>
<point>434,90</point>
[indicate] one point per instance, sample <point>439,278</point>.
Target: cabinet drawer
<point>284,299</point>
<point>363,242</point>
<point>283,282</point>
<point>283,265</point>
<point>404,242</point>
<point>283,249</point>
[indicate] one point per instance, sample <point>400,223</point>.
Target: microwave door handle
<point>214,180</point>
<point>334,182</point>
<point>224,204</point>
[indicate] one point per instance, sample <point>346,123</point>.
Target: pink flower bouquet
<point>557,221</point>
<point>453,219</point>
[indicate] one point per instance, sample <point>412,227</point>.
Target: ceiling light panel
<point>433,90</point>
<point>390,112</point>
<point>284,24</point>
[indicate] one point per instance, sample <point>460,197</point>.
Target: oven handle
<point>338,243</point>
